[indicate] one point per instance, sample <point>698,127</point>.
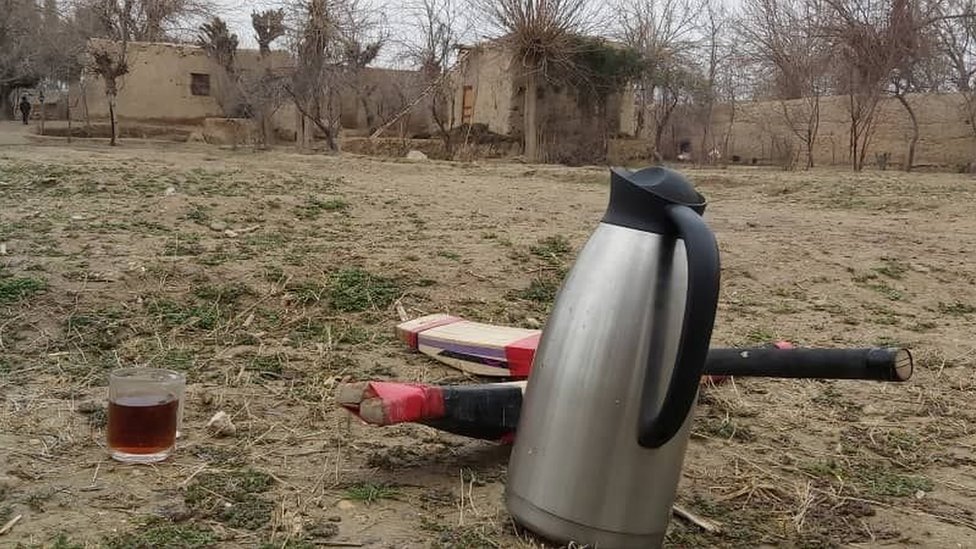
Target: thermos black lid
<point>638,198</point>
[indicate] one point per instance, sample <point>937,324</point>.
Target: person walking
<point>25,108</point>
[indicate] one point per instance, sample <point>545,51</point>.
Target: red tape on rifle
<point>406,402</point>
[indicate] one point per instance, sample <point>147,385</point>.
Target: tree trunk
<point>530,120</point>
<point>6,107</point>
<point>112,115</point>
<point>67,109</point>
<point>852,143</point>
<point>910,160</point>
<point>370,116</point>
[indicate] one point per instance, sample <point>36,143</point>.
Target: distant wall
<point>158,84</point>
<point>946,137</point>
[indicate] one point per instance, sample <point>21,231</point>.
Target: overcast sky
<point>391,15</point>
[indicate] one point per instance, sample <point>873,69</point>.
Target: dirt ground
<point>121,256</point>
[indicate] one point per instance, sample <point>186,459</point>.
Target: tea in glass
<point>143,413</point>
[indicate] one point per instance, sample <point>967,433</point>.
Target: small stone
<point>220,425</point>
<point>77,217</point>
<point>230,233</point>
<point>3,248</point>
<point>218,226</point>
<point>919,268</point>
<point>334,518</point>
<point>88,407</point>
<point>169,191</point>
<point>919,494</point>
<point>345,505</point>
<point>533,323</point>
<point>416,155</point>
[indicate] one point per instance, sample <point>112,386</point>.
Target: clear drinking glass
<point>143,413</point>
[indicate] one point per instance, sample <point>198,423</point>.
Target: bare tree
<point>357,56</point>
<point>327,36</point>
<point>269,25</point>
<point>886,45</point>
<point>434,29</point>
<point>541,36</point>
<point>785,40</point>
<point>221,46</point>
<point>264,92</point>
<point>663,34</point>
<point>108,60</point>
<point>917,67</point>
<point>713,29</point>
<point>863,33</point>
<point>148,20</point>
<point>956,39</point>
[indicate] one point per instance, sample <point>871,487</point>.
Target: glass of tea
<point>143,413</point>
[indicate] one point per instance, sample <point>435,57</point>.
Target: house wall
<point>487,70</point>
<point>157,86</point>
<point>498,97</point>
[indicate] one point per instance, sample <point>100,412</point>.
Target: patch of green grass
<point>266,365</point>
<point>880,482</point>
<point>100,329</point>
<point>725,428</point>
<point>156,533</point>
<point>172,314</point>
<point>13,289</point>
<point>470,536</point>
<point>211,493</point>
<point>354,289</point>
<point>892,268</point>
<point>177,359</point>
<point>760,335</point>
<point>871,477</point>
<point>829,469</point>
<point>884,289</point>
<point>313,207</point>
<point>449,255</point>
<point>369,492</point>
<point>553,249</point>
<point>956,309</point>
<point>540,290</point>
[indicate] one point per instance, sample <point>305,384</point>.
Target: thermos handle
<point>657,427</point>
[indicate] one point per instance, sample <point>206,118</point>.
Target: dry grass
<point>122,257</point>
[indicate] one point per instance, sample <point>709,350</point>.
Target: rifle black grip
<point>877,364</point>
